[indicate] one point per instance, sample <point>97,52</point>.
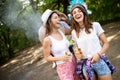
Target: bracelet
<point>99,54</point>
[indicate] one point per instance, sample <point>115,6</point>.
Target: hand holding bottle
<point>77,52</point>
<point>68,54</point>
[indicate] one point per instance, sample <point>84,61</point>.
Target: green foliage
<point>60,5</point>
<point>103,10</point>
<point>11,41</point>
<point>4,44</point>
<point>13,27</point>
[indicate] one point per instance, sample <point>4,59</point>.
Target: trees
<point>61,5</point>
<point>13,26</point>
<point>103,10</point>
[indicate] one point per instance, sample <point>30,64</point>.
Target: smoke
<point>23,17</point>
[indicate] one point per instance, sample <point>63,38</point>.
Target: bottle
<point>68,53</point>
<point>77,52</point>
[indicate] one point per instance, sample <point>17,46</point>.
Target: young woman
<point>87,35</point>
<point>56,43</point>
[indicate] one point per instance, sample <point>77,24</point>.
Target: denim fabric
<point>100,68</point>
<point>89,67</point>
<point>112,68</point>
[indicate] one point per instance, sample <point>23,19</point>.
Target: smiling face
<point>55,20</point>
<point>80,18</point>
<point>78,15</point>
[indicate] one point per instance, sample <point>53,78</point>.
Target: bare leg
<point>105,77</point>
<point>94,78</point>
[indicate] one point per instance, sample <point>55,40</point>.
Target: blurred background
<point>20,20</point>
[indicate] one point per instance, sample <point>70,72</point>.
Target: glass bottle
<point>77,52</point>
<point>68,53</point>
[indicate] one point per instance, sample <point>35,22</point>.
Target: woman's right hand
<point>95,58</point>
<point>66,58</point>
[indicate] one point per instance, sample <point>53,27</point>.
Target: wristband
<point>99,54</point>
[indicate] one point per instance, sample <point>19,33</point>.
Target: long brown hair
<point>49,24</point>
<point>86,20</point>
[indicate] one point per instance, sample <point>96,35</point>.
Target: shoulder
<point>47,41</point>
<point>98,28</point>
<point>95,23</point>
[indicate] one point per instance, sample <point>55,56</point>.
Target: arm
<point>66,31</point>
<point>48,56</point>
<point>105,46</point>
<point>65,28</point>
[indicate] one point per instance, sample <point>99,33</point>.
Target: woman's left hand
<point>95,58</point>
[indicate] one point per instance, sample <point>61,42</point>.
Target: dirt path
<point>20,68</point>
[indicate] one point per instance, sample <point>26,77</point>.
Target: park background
<point>19,24</point>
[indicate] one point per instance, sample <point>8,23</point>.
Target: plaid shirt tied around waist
<point>79,68</point>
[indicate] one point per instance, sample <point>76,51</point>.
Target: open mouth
<point>78,16</point>
<point>58,23</point>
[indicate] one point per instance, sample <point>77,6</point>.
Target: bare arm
<point>105,43</point>
<point>47,53</point>
<point>105,46</point>
<point>66,31</point>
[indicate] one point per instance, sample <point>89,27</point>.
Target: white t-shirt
<point>89,43</point>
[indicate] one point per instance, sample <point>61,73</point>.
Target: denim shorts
<point>100,68</point>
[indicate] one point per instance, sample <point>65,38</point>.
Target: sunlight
<point>26,57</point>
<point>31,51</point>
<point>111,37</point>
<point>118,56</point>
<point>11,62</point>
<point>27,63</point>
<point>43,61</point>
<point>1,23</point>
<point>14,61</point>
<point>25,3</point>
<point>5,65</point>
